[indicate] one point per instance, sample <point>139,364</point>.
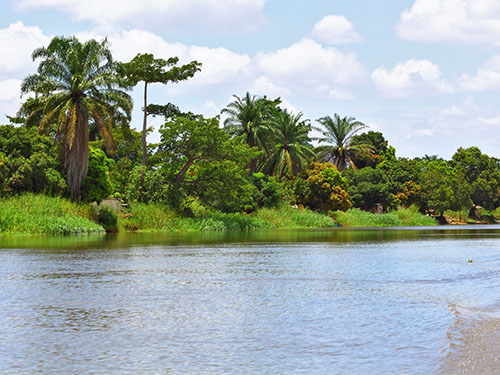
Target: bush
<point>108,219</point>
<point>268,190</point>
<point>322,188</point>
<point>97,185</point>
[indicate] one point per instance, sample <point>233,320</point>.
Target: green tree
<point>482,174</point>
<point>378,144</point>
<point>322,187</point>
<point>291,150</point>
<point>144,67</point>
<point>193,152</point>
<point>28,162</point>
<point>75,82</point>
<point>97,186</point>
<point>337,137</point>
<point>368,187</point>
<point>444,188</point>
<point>249,116</point>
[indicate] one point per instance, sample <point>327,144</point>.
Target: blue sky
<point>426,73</point>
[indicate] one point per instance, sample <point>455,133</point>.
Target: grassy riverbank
<point>153,217</point>
<point>42,215</point>
<point>402,217</point>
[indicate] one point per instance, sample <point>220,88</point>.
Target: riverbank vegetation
<point>42,215</point>
<point>260,168</point>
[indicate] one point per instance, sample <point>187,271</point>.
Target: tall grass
<point>155,217</point>
<point>286,217</point>
<point>152,217</point>
<point>43,215</point>
<point>402,217</point>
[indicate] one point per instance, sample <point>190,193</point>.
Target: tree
<point>291,150</point>
<point>482,174</point>
<point>368,187</point>
<point>322,187</point>
<point>28,162</point>
<point>378,144</point>
<point>337,136</point>
<point>75,82</point>
<point>249,116</point>
<point>444,188</point>
<point>198,156</point>
<point>144,67</point>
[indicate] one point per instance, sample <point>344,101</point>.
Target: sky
<point>425,73</point>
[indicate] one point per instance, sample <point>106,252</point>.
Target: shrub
<point>108,219</point>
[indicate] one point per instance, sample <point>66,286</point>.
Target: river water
<point>406,301</point>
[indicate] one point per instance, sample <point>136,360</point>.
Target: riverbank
<point>31,214</point>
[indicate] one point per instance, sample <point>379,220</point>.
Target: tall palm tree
<point>337,136</point>
<point>75,82</point>
<point>248,116</point>
<point>292,149</point>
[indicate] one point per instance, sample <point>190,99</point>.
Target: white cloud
<point>462,21</point>
<point>10,89</point>
<point>464,124</point>
<point>166,15</point>
<point>335,30</point>
<point>18,42</point>
<point>487,77</point>
<point>410,77</point>
<point>263,86</point>
<point>307,68</point>
<point>219,65</point>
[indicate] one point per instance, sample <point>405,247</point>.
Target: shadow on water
<point>335,235</point>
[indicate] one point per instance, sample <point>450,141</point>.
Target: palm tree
<point>337,135</point>
<point>292,149</point>
<point>75,82</point>
<point>248,116</point>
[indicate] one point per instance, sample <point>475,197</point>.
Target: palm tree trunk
<point>76,153</point>
<point>144,125</point>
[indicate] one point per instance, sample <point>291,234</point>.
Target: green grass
<point>153,217</point>
<point>402,217</point>
<point>42,215</point>
<point>286,217</point>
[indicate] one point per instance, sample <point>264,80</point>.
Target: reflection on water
<point>301,302</point>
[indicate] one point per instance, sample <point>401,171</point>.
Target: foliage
<point>268,192</point>
<point>482,173</point>
<point>97,185</point>
<point>144,67</point>
<point>444,188</point>
<point>147,185</point>
<point>75,82</point>
<point>42,215</point>
<point>377,143</point>
<point>249,117</point>
<point>322,187</point>
<point>108,219</point>
<point>28,162</point>
<point>368,187</point>
<point>290,148</point>
<point>199,157</point>
<point>337,136</point>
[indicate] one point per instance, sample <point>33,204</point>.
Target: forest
<point>71,140</point>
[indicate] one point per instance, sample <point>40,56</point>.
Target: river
<point>391,301</point>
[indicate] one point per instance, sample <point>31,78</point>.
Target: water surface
<point>287,302</point>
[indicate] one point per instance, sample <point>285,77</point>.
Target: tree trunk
<point>144,125</point>
<point>76,153</point>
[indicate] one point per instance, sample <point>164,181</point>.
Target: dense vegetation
<point>71,139</point>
